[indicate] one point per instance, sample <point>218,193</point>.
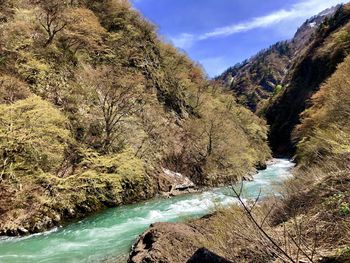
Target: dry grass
<point>311,222</point>
<point>320,201</point>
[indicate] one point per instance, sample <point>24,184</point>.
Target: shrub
<point>33,136</point>
<point>344,209</point>
<point>12,89</point>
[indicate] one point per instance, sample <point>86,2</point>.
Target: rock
<point>261,166</point>
<point>12,233</point>
<point>42,225</point>
<point>70,212</point>
<point>165,194</point>
<point>180,182</point>
<point>167,243</point>
<point>203,255</point>
<point>22,231</point>
<point>248,178</point>
<point>171,182</point>
<point>57,218</point>
<point>181,192</point>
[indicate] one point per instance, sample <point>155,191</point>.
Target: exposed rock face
<point>172,183</point>
<point>203,255</point>
<point>166,243</point>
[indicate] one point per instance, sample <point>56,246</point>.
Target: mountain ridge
<point>256,80</point>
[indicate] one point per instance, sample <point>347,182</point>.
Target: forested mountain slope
<point>329,48</point>
<point>94,105</point>
<point>261,77</point>
<point>278,82</point>
<point>319,194</point>
<point>257,79</point>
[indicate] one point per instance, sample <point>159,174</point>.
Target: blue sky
<point>220,33</point>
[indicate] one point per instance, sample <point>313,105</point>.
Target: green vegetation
<point>33,137</point>
<point>93,105</point>
<point>344,209</point>
<point>278,89</point>
<point>310,69</point>
<point>319,194</point>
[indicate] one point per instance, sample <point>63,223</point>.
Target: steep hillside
<point>261,77</point>
<point>319,194</point>
<point>256,80</point>
<point>309,222</point>
<point>93,105</point>
<point>324,130</point>
<point>308,72</point>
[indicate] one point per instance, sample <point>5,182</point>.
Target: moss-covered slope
<point>94,104</point>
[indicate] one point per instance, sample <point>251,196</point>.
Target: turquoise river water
<point>108,236</point>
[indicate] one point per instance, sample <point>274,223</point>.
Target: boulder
<point>172,182</point>
<point>167,243</point>
<point>261,166</point>
<point>174,243</point>
<point>203,255</point>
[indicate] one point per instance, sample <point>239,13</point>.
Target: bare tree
<point>118,96</point>
<point>52,18</point>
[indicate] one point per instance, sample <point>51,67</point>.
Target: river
<point>108,236</point>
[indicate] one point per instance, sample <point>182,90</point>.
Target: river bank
<point>49,203</point>
<point>110,234</point>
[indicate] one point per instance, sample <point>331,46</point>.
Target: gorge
<point>101,120</point>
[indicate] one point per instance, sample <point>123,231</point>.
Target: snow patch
<point>313,24</point>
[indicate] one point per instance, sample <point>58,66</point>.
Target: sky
<point>220,33</point>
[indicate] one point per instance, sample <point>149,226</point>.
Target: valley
<point>107,128</point>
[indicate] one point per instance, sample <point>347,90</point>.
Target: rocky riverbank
<point>53,202</point>
<point>41,215</point>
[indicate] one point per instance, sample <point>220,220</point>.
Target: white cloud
<point>299,11</point>
<point>184,40</point>
<point>257,22</point>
